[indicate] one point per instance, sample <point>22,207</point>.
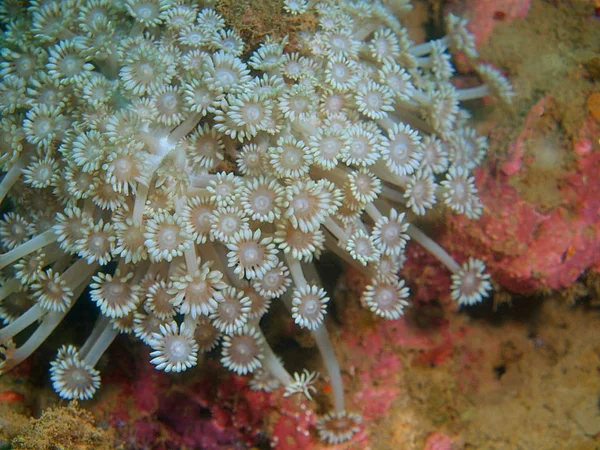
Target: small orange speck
<point>11,397</point>
<point>327,389</point>
<point>593,105</point>
<point>499,15</point>
<point>570,251</point>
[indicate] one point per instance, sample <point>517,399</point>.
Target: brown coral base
<point>534,383</point>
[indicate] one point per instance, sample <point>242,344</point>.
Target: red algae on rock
<point>540,226</point>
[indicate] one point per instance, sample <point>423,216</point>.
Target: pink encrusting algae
<point>528,250</point>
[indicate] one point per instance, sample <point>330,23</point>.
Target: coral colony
<point>189,181</point>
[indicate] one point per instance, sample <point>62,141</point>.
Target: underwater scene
<point>300,224</point>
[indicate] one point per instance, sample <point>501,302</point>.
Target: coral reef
<point>120,120</point>
<point>185,168</point>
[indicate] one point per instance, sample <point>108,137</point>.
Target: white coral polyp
<point>249,114</point>
<point>242,352</point>
<point>114,295</point>
<point>295,6</point>
<point>194,292</point>
<point>290,159</point>
<point>300,245</point>
<point>52,292</point>
<point>459,190</point>
<point>471,284</point>
<point>274,282</point>
<point>174,348</point>
<point>262,198</point>
<point>403,153</point>
<point>308,306</point>
<point>420,192</point>
<point>374,100</point>
<point>166,237</point>
<point>362,247</point>
<point>250,255</point>
<point>387,298</point>
<point>390,233</point>
<point>226,222</point>
<point>71,377</point>
<point>338,426</point>
<point>233,310</point>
